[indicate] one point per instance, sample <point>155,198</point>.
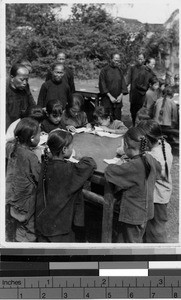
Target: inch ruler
<point>90,287</point>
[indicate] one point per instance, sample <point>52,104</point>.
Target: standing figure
<point>141,86</point>
<point>147,110</point>
<point>156,231</point>
<point>60,204</point>
<point>134,183</point>
<point>132,76</point>
<point>55,88</point>
<point>61,58</point>
<point>18,97</point>
<point>166,112</point>
<point>23,170</point>
<point>112,87</point>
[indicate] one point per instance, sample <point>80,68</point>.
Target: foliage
<point>88,38</point>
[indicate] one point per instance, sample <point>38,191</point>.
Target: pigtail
<point>160,118</point>
<point>143,148</point>
<point>16,142</point>
<point>45,166</point>
<point>45,159</point>
<point>164,155</point>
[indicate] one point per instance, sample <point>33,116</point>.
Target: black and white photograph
<point>90,124</point>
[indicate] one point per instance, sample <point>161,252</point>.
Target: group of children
<point>44,193</point>
<point>159,104</point>
<point>46,199</point>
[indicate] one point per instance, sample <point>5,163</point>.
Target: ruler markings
<point>101,288</point>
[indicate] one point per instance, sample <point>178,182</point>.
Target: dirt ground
<point>173,206</point>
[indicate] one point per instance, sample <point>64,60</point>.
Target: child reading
<point>74,115</point>
<point>60,203</point>
<point>104,119</point>
<point>134,183</point>
<point>22,178</point>
<point>53,116</point>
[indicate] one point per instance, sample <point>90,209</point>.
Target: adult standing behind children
<point>18,98</point>
<point>55,88</point>
<point>112,86</point>
<point>61,58</point>
<point>132,76</point>
<point>142,85</point>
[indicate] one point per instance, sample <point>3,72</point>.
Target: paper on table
<point>43,138</point>
<point>72,158</point>
<point>111,135</point>
<point>114,160</point>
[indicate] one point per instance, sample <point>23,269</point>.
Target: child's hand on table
<point>71,128</point>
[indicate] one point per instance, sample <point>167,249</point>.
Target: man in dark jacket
<point>133,73</point>
<point>18,97</point>
<point>112,87</point>
<point>140,86</point>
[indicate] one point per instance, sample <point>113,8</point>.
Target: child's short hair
<point>36,112</point>
<point>102,113</point>
<point>57,139</point>
<point>153,80</point>
<point>76,99</point>
<point>54,107</point>
<point>25,129</point>
<point>168,91</point>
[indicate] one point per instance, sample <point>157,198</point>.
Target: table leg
<point>107,219</point>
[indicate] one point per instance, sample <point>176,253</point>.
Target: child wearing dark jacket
<point>60,203</point>
<point>134,183</point>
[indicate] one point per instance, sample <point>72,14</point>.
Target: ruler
<point>90,287</point>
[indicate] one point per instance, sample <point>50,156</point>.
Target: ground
<point>173,206</point>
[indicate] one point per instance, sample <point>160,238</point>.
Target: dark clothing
<point>141,85</point>
<point>111,80</point>
<point>48,126</point>
<point>18,103</point>
<point>133,74</point>
<point>59,198</point>
<point>80,120</point>
<point>136,201</point>
<point>21,182</point>
<point>69,77</point>
<point>128,233</point>
<point>156,231</point>
<point>22,178</point>
<point>51,90</point>
<point>134,195</point>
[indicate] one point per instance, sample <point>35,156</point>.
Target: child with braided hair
<point>23,170</point>
<point>133,185</point>
<point>60,205</point>
<point>156,228</point>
